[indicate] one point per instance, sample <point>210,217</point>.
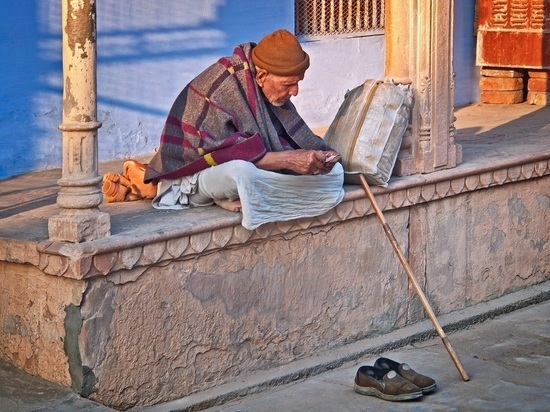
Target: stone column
<point>419,51</point>
<point>80,194</point>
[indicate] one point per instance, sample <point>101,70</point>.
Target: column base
<point>79,225</point>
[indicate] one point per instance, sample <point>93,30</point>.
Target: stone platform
<point>176,303</point>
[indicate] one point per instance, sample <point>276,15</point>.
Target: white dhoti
<point>265,196</point>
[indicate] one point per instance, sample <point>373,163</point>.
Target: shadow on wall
<point>147,52</point>
<point>142,44</point>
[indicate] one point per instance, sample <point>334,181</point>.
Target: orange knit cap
<point>280,54</point>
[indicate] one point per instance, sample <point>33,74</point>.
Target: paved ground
<point>21,392</point>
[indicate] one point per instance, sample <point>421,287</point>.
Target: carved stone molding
<point>111,257</point>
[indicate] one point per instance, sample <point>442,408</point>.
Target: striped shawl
<point>220,116</point>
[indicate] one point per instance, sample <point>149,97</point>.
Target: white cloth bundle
<point>265,196</point>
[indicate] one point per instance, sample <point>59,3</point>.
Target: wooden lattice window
<point>329,17</point>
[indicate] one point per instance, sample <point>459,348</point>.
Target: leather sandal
<point>114,191</point>
<point>385,385</point>
<point>134,172</point>
<point>115,178</point>
<point>425,383</point>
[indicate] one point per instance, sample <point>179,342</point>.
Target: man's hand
<point>304,162</point>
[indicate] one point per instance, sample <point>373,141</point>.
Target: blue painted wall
<point>29,104</point>
<point>147,51</point>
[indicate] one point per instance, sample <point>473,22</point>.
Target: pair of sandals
<point>392,381</point>
<point>129,185</point>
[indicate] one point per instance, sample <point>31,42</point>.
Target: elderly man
<point>233,138</point>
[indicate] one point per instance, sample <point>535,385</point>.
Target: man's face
<point>278,89</point>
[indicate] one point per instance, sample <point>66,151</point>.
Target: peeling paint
<point>88,384</point>
<point>12,325</point>
<point>518,211</point>
<point>80,24</point>
<point>544,202</point>
<point>497,240</point>
<point>538,245</point>
<point>520,216</point>
<point>69,101</point>
<point>73,324</point>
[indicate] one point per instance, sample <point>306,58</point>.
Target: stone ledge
<point>146,237</point>
<point>501,144</point>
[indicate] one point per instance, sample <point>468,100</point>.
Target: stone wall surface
<point>483,244</point>
<point>33,317</point>
<point>172,329</point>
<point>512,236</point>
<point>189,325</point>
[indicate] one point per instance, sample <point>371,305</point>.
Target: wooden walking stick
<point>412,279</point>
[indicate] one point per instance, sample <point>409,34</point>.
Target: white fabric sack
<point>368,129</point>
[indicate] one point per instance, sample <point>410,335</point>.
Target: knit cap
<point>280,54</point>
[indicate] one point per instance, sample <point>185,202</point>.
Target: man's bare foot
<point>231,205</point>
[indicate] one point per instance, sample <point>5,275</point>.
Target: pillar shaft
<point>80,194</point>
<point>419,51</point>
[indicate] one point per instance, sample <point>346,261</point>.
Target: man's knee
<point>241,167</point>
<point>221,182</point>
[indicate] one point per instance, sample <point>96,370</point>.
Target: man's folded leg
<point>267,196</point>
